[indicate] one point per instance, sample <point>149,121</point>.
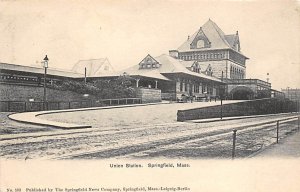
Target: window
<point>203,88</point>
<point>106,68</point>
<point>200,44</point>
<point>196,88</point>
<point>181,86</point>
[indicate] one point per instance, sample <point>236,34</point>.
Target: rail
<point>26,106</point>
<point>276,128</point>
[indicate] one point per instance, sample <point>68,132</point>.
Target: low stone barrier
<point>253,107</point>
<point>149,95</point>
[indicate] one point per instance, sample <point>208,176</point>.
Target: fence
<point>24,106</point>
<point>272,132</point>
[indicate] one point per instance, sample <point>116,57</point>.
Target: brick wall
<point>149,95</point>
<point>254,107</point>
<point>24,93</point>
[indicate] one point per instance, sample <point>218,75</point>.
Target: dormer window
<point>148,63</point>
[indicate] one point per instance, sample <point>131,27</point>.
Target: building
<point>212,52</point>
<point>210,46</point>
<point>94,67</point>
<point>173,78</point>
<point>292,94</point>
<point>209,64</point>
<point>33,76</point>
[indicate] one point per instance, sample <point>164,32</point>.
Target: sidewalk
<point>287,147</point>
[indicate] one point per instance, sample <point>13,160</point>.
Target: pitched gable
<point>149,63</point>
<point>215,36</point>
<point>94,67</point>
<point>200,41</point>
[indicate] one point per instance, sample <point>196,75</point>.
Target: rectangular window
<point>196,88</point>
<point>181,86</point>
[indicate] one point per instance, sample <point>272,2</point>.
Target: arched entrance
<point>242,93</point>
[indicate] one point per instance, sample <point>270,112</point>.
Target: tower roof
<point>216,37</point>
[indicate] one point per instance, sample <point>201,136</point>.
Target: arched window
<point>200,43</point>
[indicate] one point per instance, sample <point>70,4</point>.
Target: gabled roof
<point>39,70</point>
<point>168,65</point>
<point>93,67</point>
<point>187,63</point>
<point>214,34</point>
<point>148,60</point>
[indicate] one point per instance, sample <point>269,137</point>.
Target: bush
<point>102,89</point>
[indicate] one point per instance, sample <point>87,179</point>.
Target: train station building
<point>209,64</point>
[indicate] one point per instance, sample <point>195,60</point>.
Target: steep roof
<point>93,67</point>
<point>168,65</point>
<point>231,39</point>
<point>172,65</point>
<point>215,35</point>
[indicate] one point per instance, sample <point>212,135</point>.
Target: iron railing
<point>24,106</point>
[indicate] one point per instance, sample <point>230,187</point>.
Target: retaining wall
<point>149,95</point>
<point>253,107</point>
<point>24,93</point>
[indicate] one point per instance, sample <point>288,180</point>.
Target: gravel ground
<point>8,126</point>
<point>137,132</point>
<point>247,143</point>
<point>171,140</point>
<point>128,116</point>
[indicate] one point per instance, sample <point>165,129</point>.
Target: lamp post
<point>45,74</point>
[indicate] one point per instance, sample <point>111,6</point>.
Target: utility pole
<point>85,75</point>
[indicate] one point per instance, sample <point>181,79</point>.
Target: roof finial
<point>188,37</point>
<point>209,19</point>
<point>237,32</point>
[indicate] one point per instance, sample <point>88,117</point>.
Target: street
<point>171,140</point>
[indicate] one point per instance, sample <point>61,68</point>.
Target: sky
<point>126,31</point>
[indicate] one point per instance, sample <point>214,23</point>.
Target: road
<point>171,139</point>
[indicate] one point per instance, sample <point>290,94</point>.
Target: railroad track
<point>210,137</point>
<point>97,143</point>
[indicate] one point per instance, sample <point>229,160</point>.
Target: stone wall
<point>254,107</point>
<point>149,95</point>
<point>24,93</point>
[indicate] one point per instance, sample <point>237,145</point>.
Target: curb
<point>23,117</point>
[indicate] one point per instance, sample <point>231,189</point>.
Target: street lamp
<point>45,74</point>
